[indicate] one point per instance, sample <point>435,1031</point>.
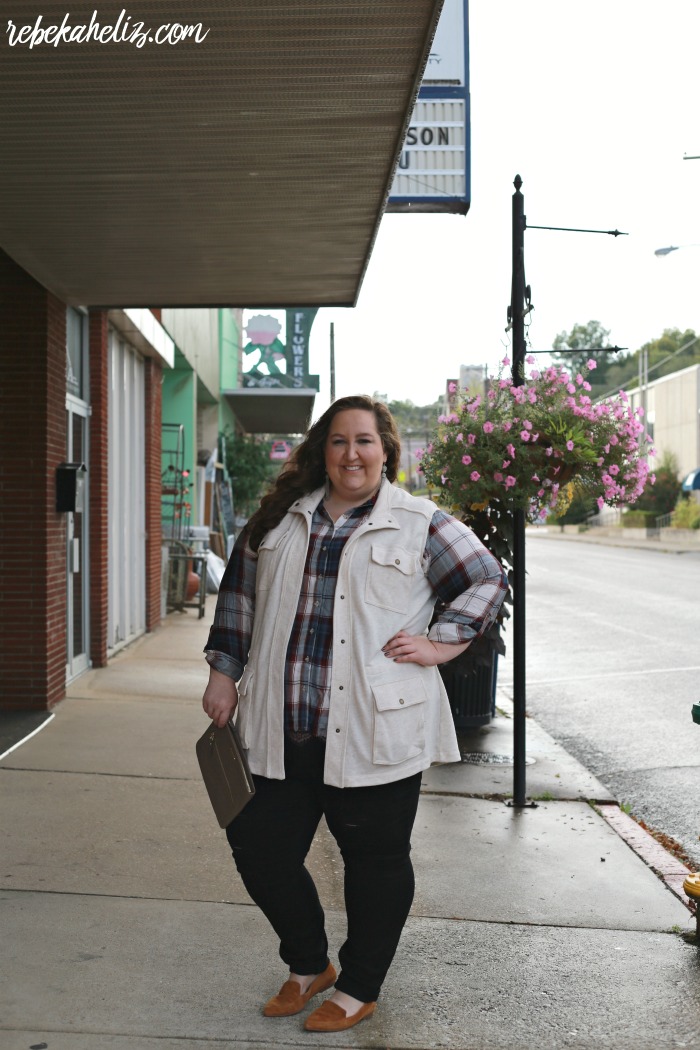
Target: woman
<point>322,620</point>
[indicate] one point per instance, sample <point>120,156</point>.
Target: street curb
<point>667,867</point>
<point>609,541</point>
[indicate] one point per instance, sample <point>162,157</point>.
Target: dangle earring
<point>383,470</point>
<point>327,488</point>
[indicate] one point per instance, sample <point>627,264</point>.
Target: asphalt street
<point>613,669</point>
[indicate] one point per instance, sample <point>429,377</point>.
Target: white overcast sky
<point>594,104</point>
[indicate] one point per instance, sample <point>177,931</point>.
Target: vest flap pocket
<point>245,681</point>
<point>392,574</point>
<point>395,696</point>
<point>396,558</point>
<point>272,539</point>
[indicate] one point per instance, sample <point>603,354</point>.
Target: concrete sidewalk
<point>126,926</point>
<point>668,541</point>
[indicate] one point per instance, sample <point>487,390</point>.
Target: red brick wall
<point>153,402</point>
<point>98,474</point>
<point>33,544</point>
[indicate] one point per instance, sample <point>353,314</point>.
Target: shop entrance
<point>77,522</point>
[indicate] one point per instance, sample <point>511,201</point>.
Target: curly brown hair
<point>305,469</point>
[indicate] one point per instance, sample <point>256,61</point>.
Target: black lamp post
<point>520,306</point>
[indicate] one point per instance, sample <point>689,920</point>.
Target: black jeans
<point>372,826</point>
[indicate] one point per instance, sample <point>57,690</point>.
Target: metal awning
<point>250,169</point>
<point>691,482</point>
<point>272,411</point>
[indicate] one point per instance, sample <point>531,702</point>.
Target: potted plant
<point>531,447</point>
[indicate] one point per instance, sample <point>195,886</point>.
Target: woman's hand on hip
<point>405,648</point>
<point>220,697</point>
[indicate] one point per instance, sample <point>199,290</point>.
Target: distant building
<point>672,416</point>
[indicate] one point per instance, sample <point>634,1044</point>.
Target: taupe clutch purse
<point>225,771</point>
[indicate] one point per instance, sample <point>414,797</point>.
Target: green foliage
<point>661,497</point>
<point>617,371</point>
<point>418,418</point>
<point>687,514</point>
<point>249,467</point>
<point>638,519</point>
<point>572,349</point>
<point>624,370</point>
<point>579,509</point>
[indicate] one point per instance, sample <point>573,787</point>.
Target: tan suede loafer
<point>291,1000</point>
<point>329,1017</point>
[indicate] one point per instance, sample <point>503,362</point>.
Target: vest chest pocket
<point>269,553</point>
<point>399,721</point>
<point>391,575</point>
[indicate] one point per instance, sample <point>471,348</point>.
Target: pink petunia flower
<point>475,475</point>
<point>524,435</point>
<point>570,446</point>
<point>466,460</point>
<point>488,426</point>
<point>510,481</point>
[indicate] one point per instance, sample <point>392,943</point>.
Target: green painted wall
<point>180,406</point>
<point>229,345</point>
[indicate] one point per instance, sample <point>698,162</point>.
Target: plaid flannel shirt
<point>464,575</point>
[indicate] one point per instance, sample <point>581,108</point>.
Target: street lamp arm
<point>584,350</point>
<point>574,229</point>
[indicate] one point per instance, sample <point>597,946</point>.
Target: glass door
<point>77,562</point>
<point>77,531</point>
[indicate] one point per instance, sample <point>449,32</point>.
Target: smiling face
<point>354,456</point>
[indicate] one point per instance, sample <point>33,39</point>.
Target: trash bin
<point>472,696</point>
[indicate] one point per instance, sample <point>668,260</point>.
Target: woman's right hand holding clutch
<point>220,697</point>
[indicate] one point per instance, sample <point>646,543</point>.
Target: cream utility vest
<point>386,720</point>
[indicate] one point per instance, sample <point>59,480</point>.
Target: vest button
<point>401,700</point>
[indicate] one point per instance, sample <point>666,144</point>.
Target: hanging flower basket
<point>531,447</point>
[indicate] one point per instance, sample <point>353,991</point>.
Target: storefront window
<point>76,354</point>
